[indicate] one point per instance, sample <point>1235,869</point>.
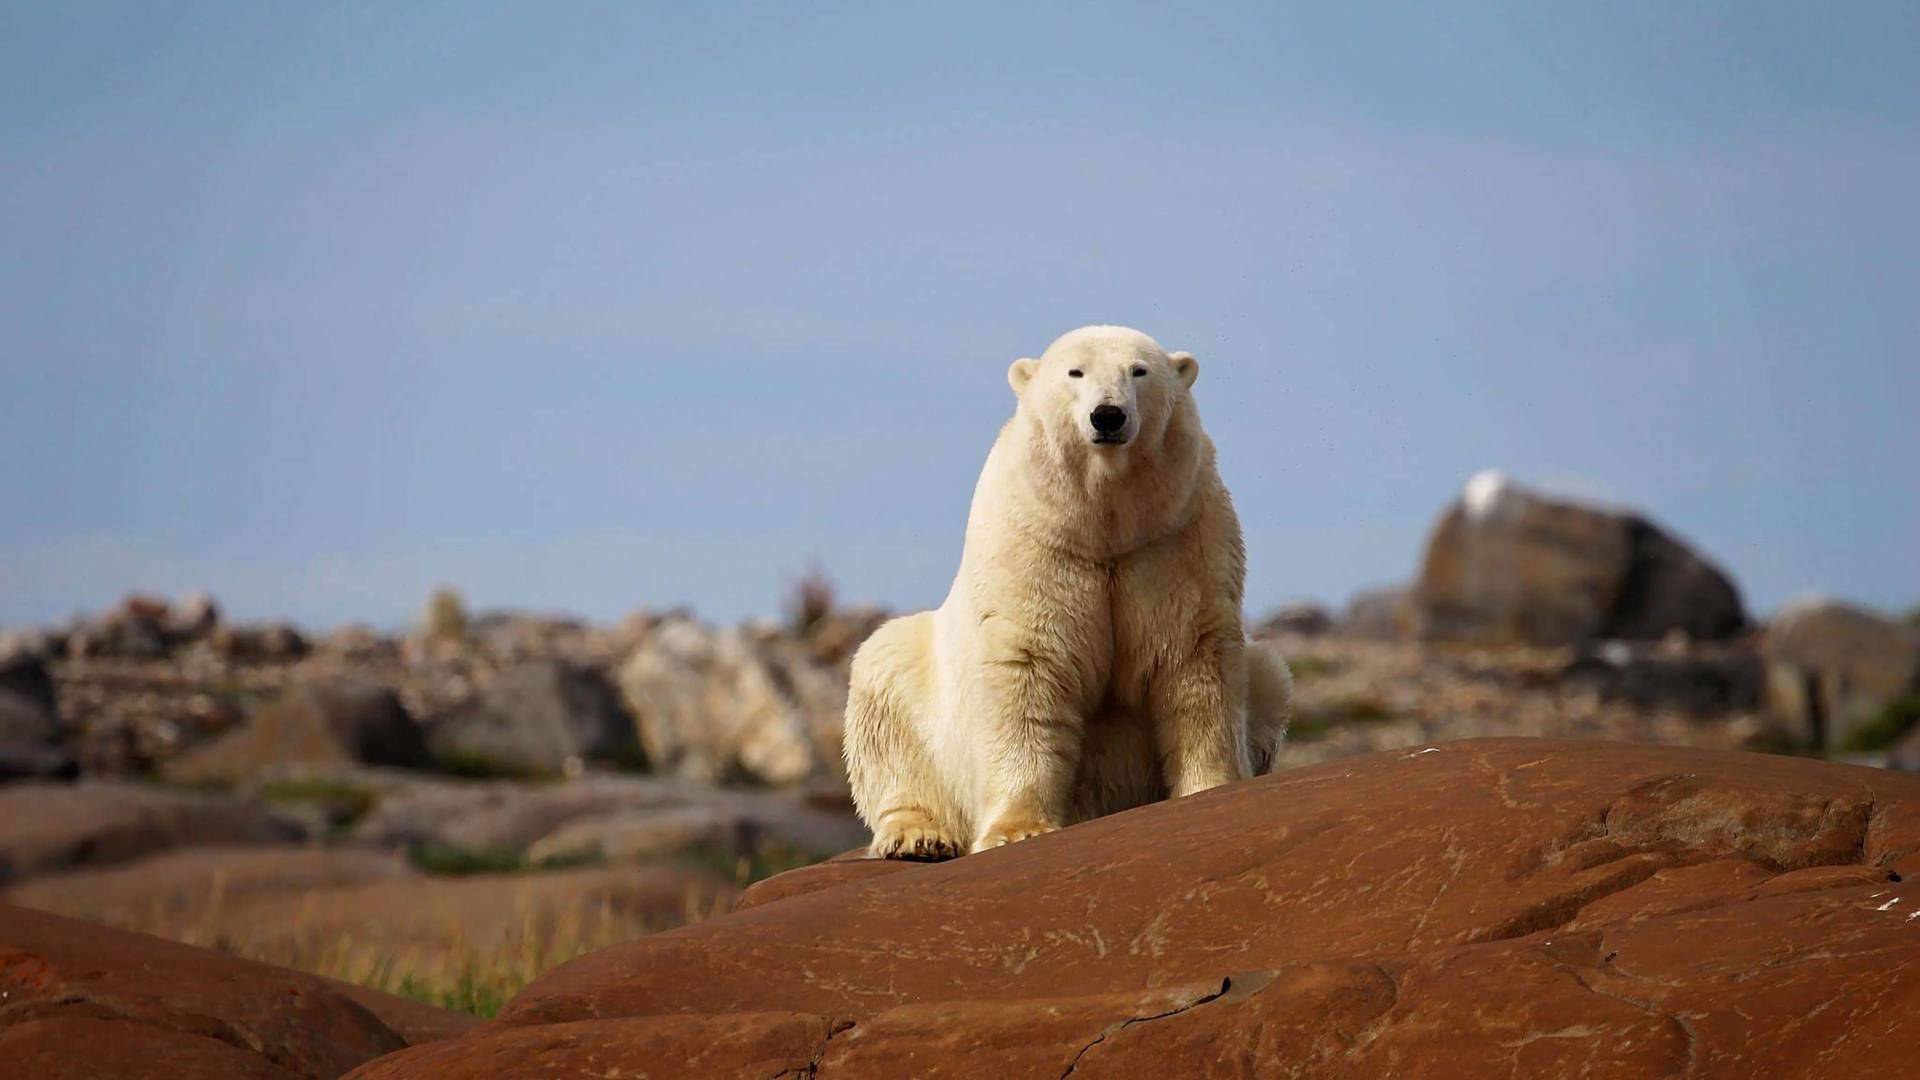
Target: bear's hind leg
<point>1269,705</point>
<point>895,787</point>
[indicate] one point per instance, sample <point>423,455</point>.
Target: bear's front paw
<point>910,834</point>
<point>1008,830</point>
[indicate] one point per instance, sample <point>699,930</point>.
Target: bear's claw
<point>912,838</point>
<point>1007,832</point>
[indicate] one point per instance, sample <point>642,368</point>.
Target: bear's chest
<point>1150,615</point>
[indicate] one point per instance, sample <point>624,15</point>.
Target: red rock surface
<point>1494,908</point>
<point>79,1000</point>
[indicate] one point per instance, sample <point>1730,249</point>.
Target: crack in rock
<point>812,1067</point>
<point>1114,1029</point>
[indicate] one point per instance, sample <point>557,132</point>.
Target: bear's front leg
<point>1199,717</point>
<point>1032,754</point>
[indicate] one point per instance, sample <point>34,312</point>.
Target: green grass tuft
<point>764,861</point>
<point>456,860</point>
<point>1312,725</point>
<point>472,765</point>
<point>343,802</point>
<point>1310,667</point>
<point>1885,726</point>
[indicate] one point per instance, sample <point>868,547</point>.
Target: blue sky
<point>595,307</point>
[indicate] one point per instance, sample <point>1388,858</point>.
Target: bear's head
<point>1104,388</point>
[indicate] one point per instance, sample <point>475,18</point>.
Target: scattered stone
<point>1383,614</point>
<point>635,837</point>
<point>736,704</point>
<point>186,877</point>
<point>30,736</point>
<point>833,637</point>
<point>540,718</point>
<point>327,722</point>
<point>193,618</point>
<point>259,643</point>
<point>360,644</point>
<point>506,816</point>
<point>446,617</point>
<point>50,827</point>
<point>1506,565</point>
<point>41,645</point>
<point>1703,680</point>
<point>508,638</point>
<point>1304,617</point>
<point>135,630</point>
<point>1831,665</point>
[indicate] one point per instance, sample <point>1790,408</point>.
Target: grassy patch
<point>1312,725</point>
<point>456,860</point>
<point>473,989</point>
<point>472,958</point>
<point>198,785</point>
<point>474,765</point>
<point>764,861</point>
<point>344,803</point>
<point>1885,726</point>
<point>1310,667</point>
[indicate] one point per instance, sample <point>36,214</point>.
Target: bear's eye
<point>1075,373</point>
<point>1139,373</point>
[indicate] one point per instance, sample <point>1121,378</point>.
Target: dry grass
<point>468,943</point>
<point>464,973</point>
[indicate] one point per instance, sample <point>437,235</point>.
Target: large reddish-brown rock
<point>1494,908</point>
<point>80,1000</point>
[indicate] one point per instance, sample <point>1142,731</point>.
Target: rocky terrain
<point>1497,908</point>
<point>443,813</point>
<point>449,812</point>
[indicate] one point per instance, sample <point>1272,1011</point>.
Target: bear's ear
<point>1021,373</point>
<point>1185,366</point>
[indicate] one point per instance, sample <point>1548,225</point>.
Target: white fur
<point>1091,655</point>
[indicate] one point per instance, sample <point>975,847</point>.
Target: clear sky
<point>597,306</point>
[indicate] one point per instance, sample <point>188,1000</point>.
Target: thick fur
<point>1091,656</point>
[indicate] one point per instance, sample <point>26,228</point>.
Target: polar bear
<point>1091,655</point>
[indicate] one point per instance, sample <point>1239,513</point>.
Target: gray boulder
<point>1304,617</point>
<point>540,718</point>
<point>743,704</point>
<point>1509,566</point>
<point>264,643</point>
<point>1382,614</point>
<point>329,722</point>
<point>30,735</point>
<point>134,630</point>
<point>1832,666</point>
<point>601,814</point>
<point>52,827</point>
<point>1702,680</point>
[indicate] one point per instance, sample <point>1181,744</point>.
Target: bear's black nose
<point>1108,419</point>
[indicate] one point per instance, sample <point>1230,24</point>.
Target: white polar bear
<point>1091,656</point>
